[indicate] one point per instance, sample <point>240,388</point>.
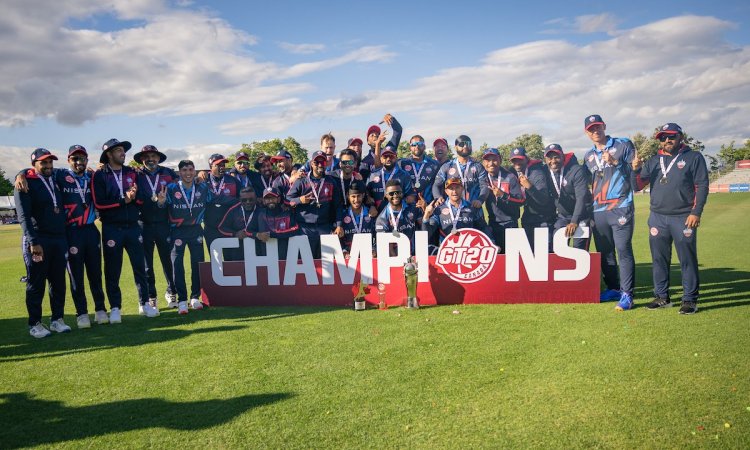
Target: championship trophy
<point>359,299</point>
<point>410,277</point>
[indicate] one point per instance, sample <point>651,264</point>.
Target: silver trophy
<point>410,277</point>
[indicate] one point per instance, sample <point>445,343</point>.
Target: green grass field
<point>513,376</point>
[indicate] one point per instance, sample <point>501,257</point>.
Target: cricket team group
<point>154,209</point>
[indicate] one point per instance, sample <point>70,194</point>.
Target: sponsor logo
<point>452,171</point>
<point>177,195</point>
<point>592,118</point>
<point>467,256</point>
<point>376,179</point>
<point>226,190</point>
<point>665,127</point>
<point>428,169</point>
<point>73,250</point>
<point>681,164</point>
<point>178,242</point>
<point>110,243</point>
<point>407,167</point>
<point>69,179</point>
<point>622,220</point>
<point>592,157</point>
<point>654,231</point>
<point>197,194</point>
<point>687,232</point>
<point>347,220</point>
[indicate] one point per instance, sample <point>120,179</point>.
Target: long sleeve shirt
<point>36,209</point>
<point>108,190</point>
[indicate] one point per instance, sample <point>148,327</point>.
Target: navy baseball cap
<point>669,128</point>
<point>216,158</point>
<point>518,153</point>
<point>271,191</point>
<point>490,152</point>
<point>77,149</point>
<point>241,156</point>
<point>109,145</point>
<point>319,155</point>
<point>357,187</point>
<point>553,148</point>
<point>592,120</point>
<point>40,154</point>
<point>282,155</point>
<point>388,149</point>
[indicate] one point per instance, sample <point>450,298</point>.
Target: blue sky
<point>197,77</point>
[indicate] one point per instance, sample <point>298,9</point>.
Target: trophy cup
<point>359,299</point>
<point>410,277</point>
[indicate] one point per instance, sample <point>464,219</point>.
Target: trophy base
<point>360,305</point>
<point>412,303</point>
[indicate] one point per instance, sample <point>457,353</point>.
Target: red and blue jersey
<point>354,224</point>
<point>447,217</point>
<point>327,206</point>
<point>422,174</point>
<point>611,184</point>
<point>378,180</point>
<point>506,208</point>
<point>36,209</point>
<point>472,174</point>
<point>225,193</point>
<point>187,206</point>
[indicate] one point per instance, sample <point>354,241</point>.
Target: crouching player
<point>454,214</point>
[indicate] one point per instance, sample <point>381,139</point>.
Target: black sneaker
<point>689,308</point>
<point>657,303</point>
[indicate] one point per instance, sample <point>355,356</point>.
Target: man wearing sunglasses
<point>345,173</point>
<point>504,205</point>
<point>370,162</point>
<point>454,214</point>
<point>241,169</point>
<point>378,181</point>
<point>678,178</point>
<point>609,162</point>
<point>317,202</point>
<point>471,173</point>
<point>421,170</point>
<point>357,218</point>
<point>539,205</point>
<point>397,216</point>
<point>241,221</point>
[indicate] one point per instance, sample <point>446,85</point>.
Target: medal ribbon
<point>50,188</point>
<point>188,201</point>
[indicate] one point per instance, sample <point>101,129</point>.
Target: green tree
<point>713,163</point>
<point>272,147</point>
<point>403,151</point>
<point>6,187</point>
<point>729,154</point>
<point>533,143</point>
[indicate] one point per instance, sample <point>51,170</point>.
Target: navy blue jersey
<point>76,197</point>
<point>685,190</point>
<point>378,179</point>
<point>611,184</point>
<point>506,207</point>
<point>243,178</point>
<point>260,183</point>
<point>344,185</point>
<point>36,208</point>
<point>472,174</point>
<point>108,190</point>
<point>571,189</point>
<point>145,199</point>
<point>280,223</point>
<point>282,184</point>
<point>404,221</point>
<point>422,174</point>
<point>225,193</point>
<point>325,209</point>
<point>238,219</point>
<point>187,206</point>
<point>356,224</point>
<point>447,218</point>
<point>539,206</point>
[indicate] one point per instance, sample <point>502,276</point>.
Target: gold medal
<point>154,198</point>
<point>663,180</point>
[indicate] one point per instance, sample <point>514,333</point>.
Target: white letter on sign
<point>517,248</point>
<point>253,261</point>
<point>385,260</point>
<point>332,256</point>
<point>299,260</point>
<point>581,257</point>
<point>217,261</point>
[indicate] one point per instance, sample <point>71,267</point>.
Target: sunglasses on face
<point>417,144</point>
<point>242,163</point>
<point>348,162</point>
<point>463,144</point>
<point>394,194</point>
<point>248,200</point>
<point>668,137</point>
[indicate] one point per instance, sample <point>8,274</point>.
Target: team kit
<point>156,214</point>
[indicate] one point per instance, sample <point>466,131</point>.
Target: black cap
<point>282,155</point>
<point>669,129</point>
<point>41,154</point>
<point>138,157</point>
<point>216,158</point>
<point>518,153</point>
<point>592,120</point>
<point>110,144</point>
<point>553,148</point>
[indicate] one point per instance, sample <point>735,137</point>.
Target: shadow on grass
<point>43,422</point>
<point>724,287</point>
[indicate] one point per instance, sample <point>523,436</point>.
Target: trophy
<point>410,277</point>
<point>359,299</point>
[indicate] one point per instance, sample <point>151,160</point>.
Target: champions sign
<point>466,269</point>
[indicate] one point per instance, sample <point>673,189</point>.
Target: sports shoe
<point>115,316</point>
<point>154,303</point>
<point>148,310</point>
<point>101,317</point>
<point>689,308</point>
<point>83,321</point>
<point>39,331</point>
<point>59,326</point>
<point>609,295</point>
<point>171,300</point>
<point>195,303</point>
<point>625,303</point>
<point>659,303</point>
<point>182,308</point>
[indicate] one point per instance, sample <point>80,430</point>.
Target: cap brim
<point>218,161</point>
<point>325,160</point>
<point>594,123</point>
<point>517,157</point>
<point>138,157</point>
<point>81,152</point>
<point>490,154</point>
<point>556,152</point>
<point>662,133</point>
<point>43,157</point>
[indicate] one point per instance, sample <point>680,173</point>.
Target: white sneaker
<point>115,316</point>
<point>171,300</point>
<point>101,317</point>
<point>182,308</point>
<point>149,311</point>
<point>59,326</point>
<point>83,321</point>
<point>39,331</point>
<point>141,312</point>
<point>153,303</point>
<point>195,303</point>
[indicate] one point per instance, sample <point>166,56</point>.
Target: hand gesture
<point>130,194</point>
<point>524,180</point>
<point>693,221</point>
<point>421,203</point>
<point>161,197</point>
<point>476,204</point>
<point>339,232</point>
<point>240,234</point>
<point>570,229</point>
<point>388,118</point>
<point>430,208</point>
<point>263,236</point>
<point>637,162</point>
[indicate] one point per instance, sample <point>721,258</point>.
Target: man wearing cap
<point>114,190</point>
<point>345,173</point>
<point>572,196</point>
<point>421,169</point>
<point>262,178</point>
<point>84,239</point>
<point>42,218</point>
<point>471,173</point>
<point>539,206</point>
<point>186,202</point>
<point>679,189</point>
<point>397,216</point>
<point>371,161</point>
<point>454,214</point>
<point>441,151</point>
<point>152,179</point>
<point>504,204</point>
<point>355,144</point>
<point>275,222</point>
<point>357,217</point>
<point>241,221</point>
<point>378,180</point>
<point>317,202</point>
<point>284,162</point>
<point>225,193</point>
<point>240,170</point>
<point>609,162</point>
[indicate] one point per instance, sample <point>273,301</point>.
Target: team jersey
<point>260,183</point>
<point>356,224</point>
<point>282,184</point>
<point>242,178</point>
<point>280,223</point>
<point>685,190</point>
<point>539,206</point>
<point>148,185</point>
<point>611,184</point>
<point>571,190</point>
<point>108,190</point>
<point>225,193</point>
<point>472,175</point>
<point>237,219</point>
<point>36,209</point>
<point>447,218</point>
<point>187,206</point>
<point>76,197</point>
<point>403,221</point>
<point>422,174</point>
<point>378,179</point>
<point>507,207</point>
<point>326,207</point>
<point>344,185</point>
